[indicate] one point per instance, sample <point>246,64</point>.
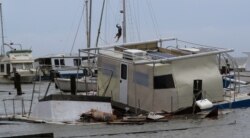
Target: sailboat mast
<point>87,23</point>
<point>1,16</point>
<point>90,19</point>
<point>100,23</point>
<point>124,22</point>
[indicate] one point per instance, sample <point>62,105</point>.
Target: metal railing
<point>14,106</point>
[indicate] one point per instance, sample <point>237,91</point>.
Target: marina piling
<point>73,85</point>
<point>17,83</point>
<point>197,89</point>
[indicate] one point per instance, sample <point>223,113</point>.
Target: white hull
<point>82,85</point>
<point>27,78</point>
<point>67,110</point>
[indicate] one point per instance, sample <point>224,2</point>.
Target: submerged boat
<point>160,75</point>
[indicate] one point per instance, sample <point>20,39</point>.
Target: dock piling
<point>73,84</point>
<point>17,83</point>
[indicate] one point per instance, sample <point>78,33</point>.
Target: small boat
<point>17,61</point>
<point>63,64</point>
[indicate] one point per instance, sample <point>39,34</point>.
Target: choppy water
<point>231,125</point>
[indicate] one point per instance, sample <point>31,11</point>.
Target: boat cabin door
<point>123,95</point>
<point>8,68</point>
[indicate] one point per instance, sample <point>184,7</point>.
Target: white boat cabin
<point>65,63</point>
<point>20,61</point>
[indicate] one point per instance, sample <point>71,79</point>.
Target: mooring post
<point>18,84</point>
<point>197,91</point>
<point>14,71</point>
<point>73,84</point>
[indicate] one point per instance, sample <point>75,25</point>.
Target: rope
<point>133,20</point>
<point>106,42</point>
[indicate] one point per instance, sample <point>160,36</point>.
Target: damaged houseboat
<point>159,75</point>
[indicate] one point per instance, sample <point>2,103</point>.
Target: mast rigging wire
<point>197,44</point>
<point>137,20</point>
<point>78,27</point>
<point>155,24</point>
<point>130,22</point>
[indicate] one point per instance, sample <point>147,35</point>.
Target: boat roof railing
<point>182,57</point>
<point>64,68</point>
<point>19,51</point>
<point>60,56</point>
<point>126,44</point>
<point>160,41</point>
<point>182,45</point>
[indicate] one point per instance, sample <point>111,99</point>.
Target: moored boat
<point>15,61</point>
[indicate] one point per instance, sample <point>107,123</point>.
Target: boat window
<point>46,61</point>
<point>141,78</point>
<point>77,62</point>
<point>124,71</point>
<point>2,68</point>
<point>28,65</point>
<point>17,65</point>
<point>85,58</point>
<point>62,62</point>
<point>164,82</point>
<point>56,62</point>
<point>8,68</point>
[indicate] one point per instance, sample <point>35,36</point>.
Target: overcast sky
<point>49,26</point>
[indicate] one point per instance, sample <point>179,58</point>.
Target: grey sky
<point>49,26</point>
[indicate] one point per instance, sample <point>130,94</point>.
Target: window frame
<point>159,82</point>
<point>2,68</point>
<point>56,62</point>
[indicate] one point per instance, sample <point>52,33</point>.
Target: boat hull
<point>10,80</point>
<point>235,104</point>
<point>81,85</point>
<point>58,108</point>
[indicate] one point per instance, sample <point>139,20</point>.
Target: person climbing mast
<point>119,33</point>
